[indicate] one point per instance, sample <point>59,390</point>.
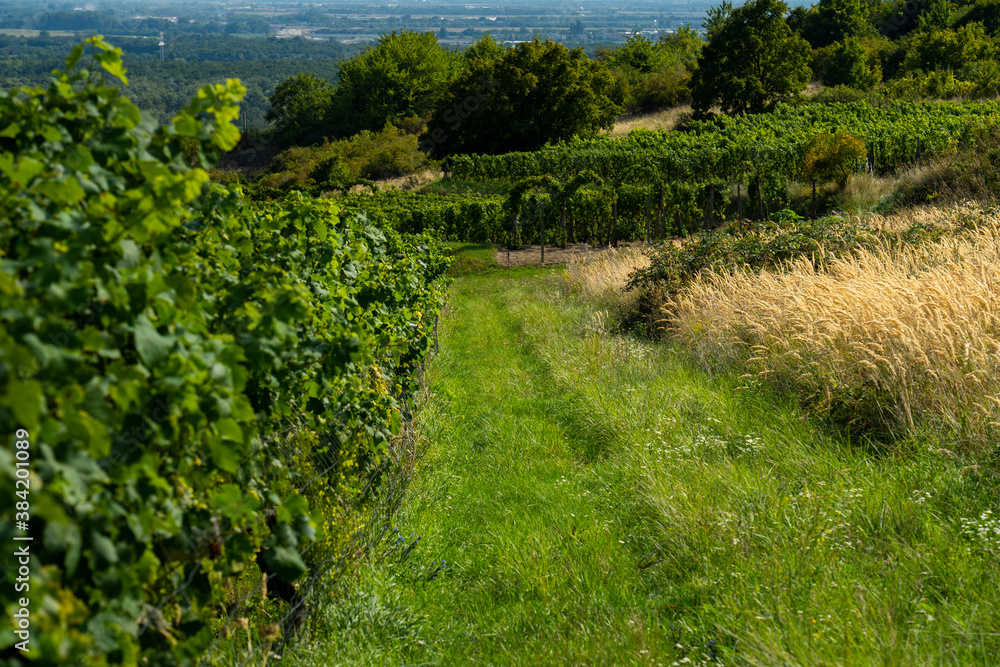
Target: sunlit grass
<point>590,498</point>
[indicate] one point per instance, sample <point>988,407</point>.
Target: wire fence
<point>264,613</point>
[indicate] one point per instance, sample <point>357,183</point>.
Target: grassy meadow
<point>583,496</point>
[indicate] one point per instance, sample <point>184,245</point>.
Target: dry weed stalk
<point>602,276</point>
<point>911,334</point>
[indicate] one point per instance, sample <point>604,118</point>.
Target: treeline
<point>496,99</point>
<point>162,88</point>
<point>122,22</point>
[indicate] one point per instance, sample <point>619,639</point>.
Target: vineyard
<point>208,389</point>
<point>748,147</point>
<point>652,185</point>
<point>158,335</point>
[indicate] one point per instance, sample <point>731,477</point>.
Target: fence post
<point>710,212</point>
<point>648,223</point>
<point>739,200</point>
<point>660,231</point>
<point>541,221</point>
<point>614,219</point>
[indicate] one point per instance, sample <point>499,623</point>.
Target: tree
<point>402,75</point>
<point>832,157</point>
<point>752,60</point>
<point>837,19</point>
<point>847,64</point>
<point>485,48</point>
<point>298,105</point>
<point>537,92</point>
<point>950,49</point>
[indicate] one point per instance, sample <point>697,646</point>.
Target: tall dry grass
<point>900,338</point>
<point>665,120</point>
<point>601,276</point>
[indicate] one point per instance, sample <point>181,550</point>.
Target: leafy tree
<point>847,63</point>
<point>938,15</point>
<point>485,48</point>
<point>986,12</point>
<point>837,19</point>
<point>402,75</point>
<point>832,157</point>
<point>298,105</point>
<point>639,54</point>
<point>683,45</point>
<point>950,49</point>
<point>653,75</point>
<point>752,60</point>
<point>538,92</point>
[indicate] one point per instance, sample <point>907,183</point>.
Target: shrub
<point>832,157</point>
<point>339,164</point>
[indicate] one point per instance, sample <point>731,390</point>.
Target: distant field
<point>26,32</point>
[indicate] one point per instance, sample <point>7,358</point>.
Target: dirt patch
<point>531,255</point>
<point>410,181</point>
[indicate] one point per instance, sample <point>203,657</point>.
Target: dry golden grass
<point>947,218</point>
<point>909,335</point>
<point>659,120</point>
<point>601,276</point>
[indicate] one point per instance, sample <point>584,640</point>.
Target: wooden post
<point>760,199</point>
<point>541,220</point>
<point>513,226</point>
<point>813,207</point>
<point>710,214</point>
<point>648,223</point>
<point>562,221</point>
<point>739,200</point>
<point>660,230</point>
<point>614,219</point>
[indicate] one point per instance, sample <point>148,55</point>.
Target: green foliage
<point>948,49</point>
<point>485,48</point>
<point>847,63</point>
<point>938,15</point>
<point>298,106</point>
<point>340,164</point>
<point>833,157</point>
<point>403,74</point>
<point>744,146</point>
<point>653,75</point>
<point>941,85</point>
<point>537,93</point>
<point>986,12</point>
<point>156,331</point>
<point>760,246</point>
<point>838,20</point>
<point>751,62</point>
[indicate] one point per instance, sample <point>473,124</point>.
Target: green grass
<point>470,259</point>
<point>588,498</point>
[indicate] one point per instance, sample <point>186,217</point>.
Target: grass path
<point>585,498</point>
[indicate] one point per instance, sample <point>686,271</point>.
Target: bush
<point>758,246</point>
<point>339,164</point>
<point>832,157</point>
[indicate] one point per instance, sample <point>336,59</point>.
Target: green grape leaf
<point>153,348</point>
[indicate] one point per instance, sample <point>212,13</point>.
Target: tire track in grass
<point>540,572</point>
